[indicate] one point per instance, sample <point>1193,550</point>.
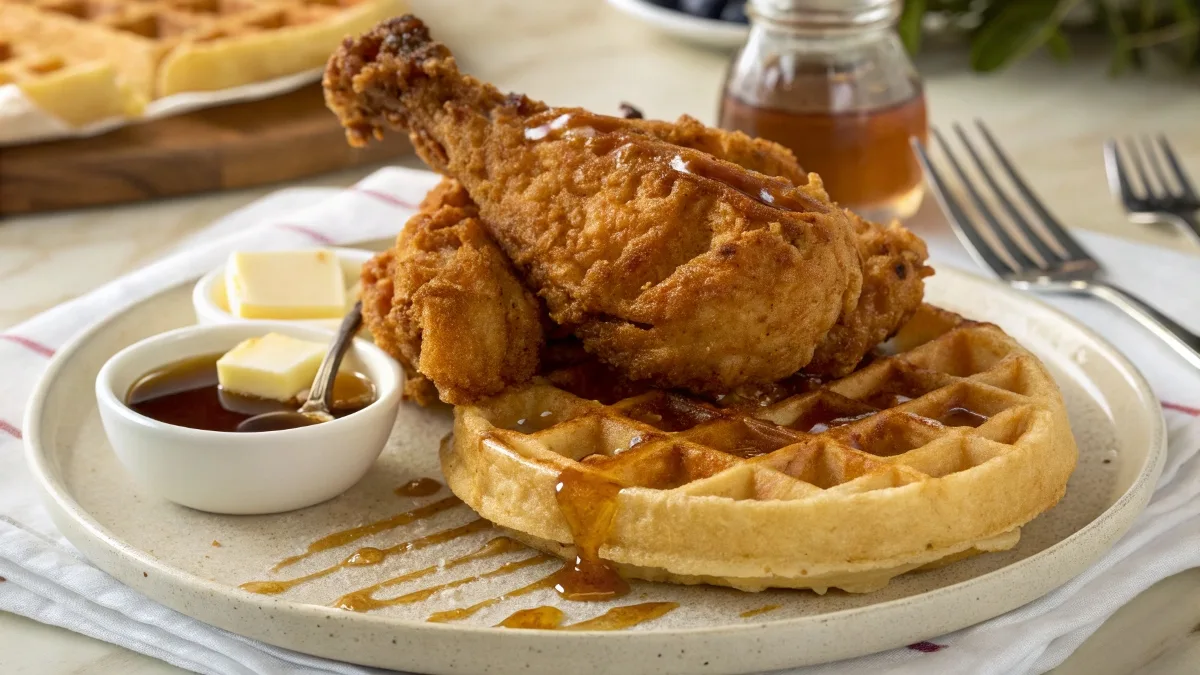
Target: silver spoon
<point>320,398</point>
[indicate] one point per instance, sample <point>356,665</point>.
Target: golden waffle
<point>84,60</point>
<point>949,441</point>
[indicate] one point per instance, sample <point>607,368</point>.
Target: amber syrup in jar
<point>830,80</point>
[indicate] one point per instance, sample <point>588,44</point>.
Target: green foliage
<point>1003,31</point>
<point>910,24</point>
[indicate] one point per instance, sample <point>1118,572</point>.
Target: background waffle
<point>84,60</point>
<point>949,441</point>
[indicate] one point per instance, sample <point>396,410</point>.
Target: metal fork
<point>1039,255</point>
<point>1158,201</point>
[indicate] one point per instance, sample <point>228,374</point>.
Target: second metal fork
<point>1033,250</point>
<point>1158,200</point>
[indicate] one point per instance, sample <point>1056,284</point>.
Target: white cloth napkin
<point>46,579</point>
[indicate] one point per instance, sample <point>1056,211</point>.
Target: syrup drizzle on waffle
<point>588,503</point>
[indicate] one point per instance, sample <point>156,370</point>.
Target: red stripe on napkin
<point>10,430</point>
<point>1187,410</point>
<point>310,233</point>
<point>385,197</point>
<point>926,647</point>
<point>31,345</point>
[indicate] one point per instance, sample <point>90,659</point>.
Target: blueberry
<point>709,9</point>
<point>735,11</point>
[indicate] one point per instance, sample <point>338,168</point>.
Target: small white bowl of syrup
<point>171,425</point>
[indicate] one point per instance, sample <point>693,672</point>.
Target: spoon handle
<point>320,397</point>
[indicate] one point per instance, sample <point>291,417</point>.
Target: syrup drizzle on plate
<point>369,556</point>
<point>543,618</point>
<point>758,610</point>
<point>617,618</point>
<point>464,612</point>
<point>620,618</point>
<point>364,600</point>
<point>354,534</point>
<point>589,505</point>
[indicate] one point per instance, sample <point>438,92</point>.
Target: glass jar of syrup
<point>830,79</point>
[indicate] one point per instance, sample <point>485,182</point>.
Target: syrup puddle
<point>617,618</point>
<point>364,557</point>
<point>354,534</point>
<point>419,487</point>
<point>760,610</point>
<point>364,600</point>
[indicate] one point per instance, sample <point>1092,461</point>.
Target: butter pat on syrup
<point>285,285</point>
<point>273,366</point>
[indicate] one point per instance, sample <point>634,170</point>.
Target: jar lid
<point>827,13</point>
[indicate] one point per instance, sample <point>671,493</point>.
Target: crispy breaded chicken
<point>672,266</point>
<point>894,271</point>
<point>445,302</point>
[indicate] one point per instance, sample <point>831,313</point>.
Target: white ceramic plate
<point>698,30</point>
<point>171,554</point>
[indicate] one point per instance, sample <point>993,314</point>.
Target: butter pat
<point>273,366</point>
<point>285,285</point>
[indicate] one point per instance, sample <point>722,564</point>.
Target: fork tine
<point>1118,174</point>
<point>1157,166</point>
<point>976,245</point>
<point>1136,151</point>
<point>1060,235</point>
<point>1014,251</point>
<point>1049,255</point>
<point>1180,174</point>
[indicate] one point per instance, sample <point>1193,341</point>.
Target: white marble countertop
<point>1051,117</point>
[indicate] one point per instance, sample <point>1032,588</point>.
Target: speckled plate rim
<point>745,647</point>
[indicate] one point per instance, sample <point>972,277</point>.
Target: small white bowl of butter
<point>296,273</point>
<point>245,473</point>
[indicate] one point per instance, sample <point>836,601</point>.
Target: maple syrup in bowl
<point>830,80</point>
<point>187,393</point>
<point>171,431</point>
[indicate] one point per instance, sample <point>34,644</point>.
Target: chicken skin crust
<point>894,272</point>
<point>671,265</point>
<point>446,303</point>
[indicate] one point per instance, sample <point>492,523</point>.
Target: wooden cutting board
<point>278,139</point>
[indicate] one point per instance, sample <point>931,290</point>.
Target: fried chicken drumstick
<point>671,265</point>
